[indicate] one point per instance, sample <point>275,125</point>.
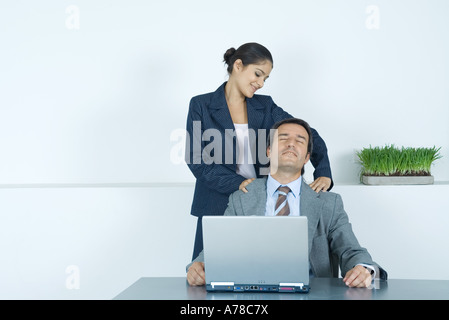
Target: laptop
<point>256,253</point>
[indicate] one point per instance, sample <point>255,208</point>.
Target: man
<point>332,243</point>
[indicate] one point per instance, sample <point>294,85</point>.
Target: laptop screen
<point>255,251</point>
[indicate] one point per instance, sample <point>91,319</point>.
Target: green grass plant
<point>392,161</point>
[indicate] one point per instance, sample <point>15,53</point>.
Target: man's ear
<point>268,152</point>
<point>307,158</point>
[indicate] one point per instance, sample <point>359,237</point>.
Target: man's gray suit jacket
<point>332,243</point>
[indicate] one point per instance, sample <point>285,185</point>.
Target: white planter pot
<point>396,180</point>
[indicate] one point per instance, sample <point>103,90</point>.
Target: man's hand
<point>196,275</point>
<point>245,183</point>
<point>321,184</point>
<point>358,276</point>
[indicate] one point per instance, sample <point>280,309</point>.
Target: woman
<point>224,130</point>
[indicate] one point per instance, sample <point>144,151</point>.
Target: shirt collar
<point>273,185</point>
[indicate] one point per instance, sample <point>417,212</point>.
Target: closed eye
<point>259,73</point>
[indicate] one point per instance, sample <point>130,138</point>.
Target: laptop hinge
<point>221,284</point>
<point>299,284</point>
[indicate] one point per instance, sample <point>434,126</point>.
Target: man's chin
<point>288,160</point>
<point>289,167</point>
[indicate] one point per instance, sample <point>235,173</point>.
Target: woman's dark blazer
<point>215,182</point>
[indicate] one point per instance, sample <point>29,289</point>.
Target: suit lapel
<point>222,121</point>
<point>310,206</point>
<point>254,203</point>
<point>255,113</point>
<point>219,109</point>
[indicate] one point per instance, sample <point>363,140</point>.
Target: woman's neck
<point>236,104</point>
<point>233,95</point>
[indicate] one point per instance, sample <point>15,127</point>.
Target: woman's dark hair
<point>249,53</point>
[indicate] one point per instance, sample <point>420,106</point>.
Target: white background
<point>92,91</point>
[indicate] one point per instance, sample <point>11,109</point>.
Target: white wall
<point>91,91</point>
<point>115,235</point>
<point>98,104</point>
<point>112,236</point>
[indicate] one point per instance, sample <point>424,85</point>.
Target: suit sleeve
<point>199,258</point>
<point>343,242</point>
<point>319,157</point>
<point>230,210</point>
<point>217,176</point>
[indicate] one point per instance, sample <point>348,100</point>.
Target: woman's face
<point>252,77</point>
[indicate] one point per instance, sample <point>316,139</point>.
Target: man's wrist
<point>370,268</point>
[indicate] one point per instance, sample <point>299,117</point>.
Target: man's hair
<point>299,122</point>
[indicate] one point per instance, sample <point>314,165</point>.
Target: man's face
<point>290,145</point>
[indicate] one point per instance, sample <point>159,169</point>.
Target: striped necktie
<point>281,208</point>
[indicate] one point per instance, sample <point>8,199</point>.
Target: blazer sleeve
<point>230,211</point>
<point>319,157</point>
<point>343,242</point>
<point>219,177</point>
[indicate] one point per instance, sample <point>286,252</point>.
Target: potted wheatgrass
<point>391,165</point>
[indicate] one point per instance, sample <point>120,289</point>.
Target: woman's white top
<point>245,163</point>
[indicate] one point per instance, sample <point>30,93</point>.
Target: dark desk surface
<point>321,289</point>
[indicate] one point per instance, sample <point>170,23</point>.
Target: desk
<point>177,288</point>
